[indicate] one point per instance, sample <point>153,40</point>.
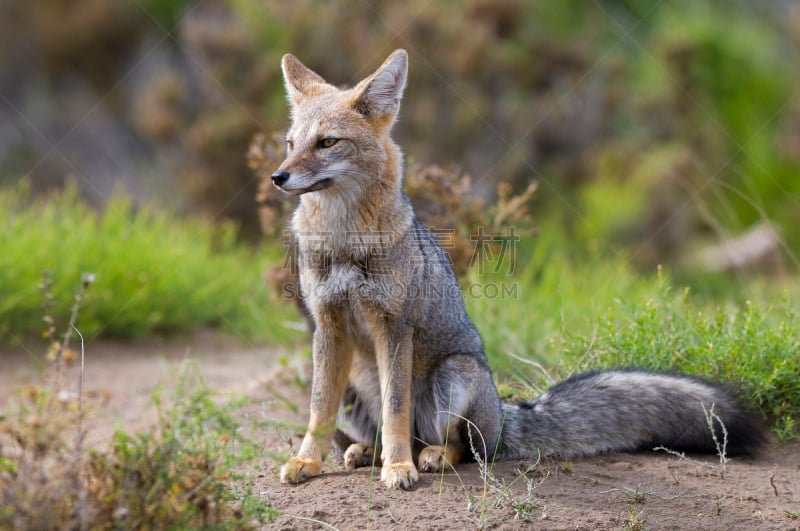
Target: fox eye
<point>289,145</point>
<point>327,142</point>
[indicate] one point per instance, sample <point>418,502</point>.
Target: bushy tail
<point>625,410</point>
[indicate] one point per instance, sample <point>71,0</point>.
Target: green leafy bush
<point>183,475</point>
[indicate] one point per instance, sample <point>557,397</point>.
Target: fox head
<point>339,139</point>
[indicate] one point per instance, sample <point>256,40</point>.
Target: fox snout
<point>280,177</point>
<point>293,183</point>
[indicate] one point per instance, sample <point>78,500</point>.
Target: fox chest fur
<point>398,278</point>
<point>351,279</point>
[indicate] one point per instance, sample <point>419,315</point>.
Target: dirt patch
<point>596,494</point>
<point>125,374</point>
<point>604,492</point>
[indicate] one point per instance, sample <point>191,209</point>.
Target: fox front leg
<point>332,358</point>
<point>395,360</point>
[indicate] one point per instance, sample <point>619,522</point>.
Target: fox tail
<point>628,410</point>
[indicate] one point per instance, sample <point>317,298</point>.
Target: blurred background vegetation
<point>656,129</point>
<point>660,133</point>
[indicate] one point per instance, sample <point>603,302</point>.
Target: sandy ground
<point>663,492</point>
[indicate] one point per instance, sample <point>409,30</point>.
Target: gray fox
<point>394,351</point>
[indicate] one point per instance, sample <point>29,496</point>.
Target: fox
<point>399,369</point>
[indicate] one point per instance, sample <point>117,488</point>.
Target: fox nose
<point>280,177</point>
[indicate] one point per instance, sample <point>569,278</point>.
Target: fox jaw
<point>338,143</point>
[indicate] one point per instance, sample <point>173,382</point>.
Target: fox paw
<point>399,475</point>
<point>357,455</point>
<point>431,459</point>
<point>299,469</point>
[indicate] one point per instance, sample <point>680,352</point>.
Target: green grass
<point>573,315</point>
<point>752,345</point>
<point>559,294</point>
<point>154,271</point>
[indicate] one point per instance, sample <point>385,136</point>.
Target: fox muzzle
<point>280,177</point>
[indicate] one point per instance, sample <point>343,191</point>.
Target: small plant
<point>38,427</point>
<point>719,501</point>
<point>749,345</point>
<point>635,520</point>
<point>785,428</point>
<point>721,447</point>
<point>502,490</point>
<point>712,421</point>
<point>637,496</point>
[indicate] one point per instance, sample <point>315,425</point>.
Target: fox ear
<point>379,95</point>
<point>299,79</point>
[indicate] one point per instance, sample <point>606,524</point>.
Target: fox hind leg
<point>457,413</point>
<point>435,457</point>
